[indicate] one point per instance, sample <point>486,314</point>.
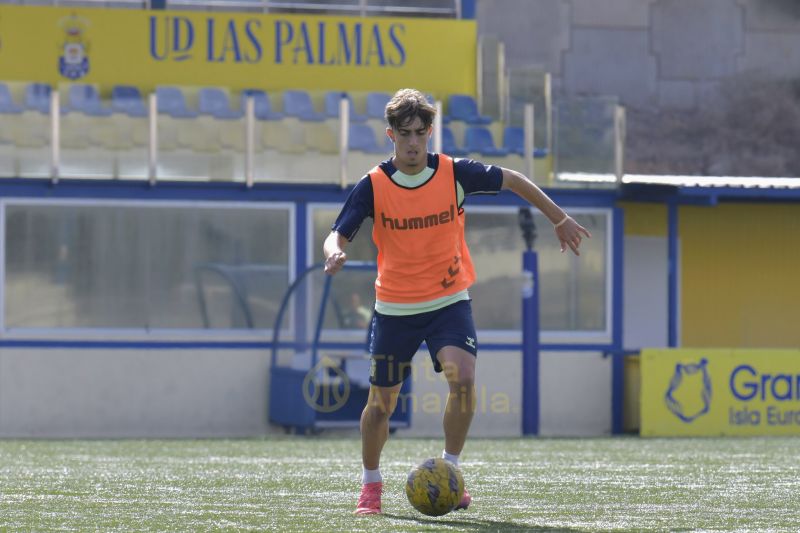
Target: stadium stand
<point>127,99</point>
<point>376,104</point>
<point>37,97</point>
<point>75,128</point>
<point>514,142</point>
<point>262,106</point>
<point>449,143</point>
<point>85,99</point>
<point>463,107</point>
<point>172,102</point>
<point>214,101</point>
<point>7,104</point>
<point>479,139</point>
<point>319,136</point>
<point>297,103</point>
<point>362,138</point>
<point>274,138</point>
<point>388,145</point>
<point>332,99</point>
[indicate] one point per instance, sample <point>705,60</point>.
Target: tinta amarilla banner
<point>147,48</point>
<point>699,392</point>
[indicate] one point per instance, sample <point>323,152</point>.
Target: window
<point>574,291</point>
<point>145,266</point>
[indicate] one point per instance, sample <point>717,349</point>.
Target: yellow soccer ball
<point>435,487</point>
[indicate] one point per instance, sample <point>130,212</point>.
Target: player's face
<point>410,146</point>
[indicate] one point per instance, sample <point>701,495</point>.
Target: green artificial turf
<point>311,484</point>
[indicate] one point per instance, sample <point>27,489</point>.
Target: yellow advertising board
<point>710,392</point>
<point>147,48</point>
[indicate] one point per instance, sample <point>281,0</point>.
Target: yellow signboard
<point>706,392</point>
<point>238,50</point>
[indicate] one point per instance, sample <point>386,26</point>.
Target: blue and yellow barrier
<point>236,50</point>
<point>710,392</point>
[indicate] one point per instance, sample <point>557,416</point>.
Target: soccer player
<point>424,270</point>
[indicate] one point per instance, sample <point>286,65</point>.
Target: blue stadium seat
<point>463,107</point>
<point>514,142</point>
<point>388,145</point>
<point>7,104</point>
<point>127,99</point>
<point>362,138</point>
<point>479,139</point>
<point>262,107</point>
<point>332,99</point>
<point>449,146</point>
<point>172,103</point>
<point>86,99</point>
<point>214,101</point>
<point>37,97</point>
<point>376,105</point>
<point>298,104</point>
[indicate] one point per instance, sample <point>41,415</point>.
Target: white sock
<point>370,476</point>
<point>450,457</point>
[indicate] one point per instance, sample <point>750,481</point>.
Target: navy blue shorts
<point>393,340</point>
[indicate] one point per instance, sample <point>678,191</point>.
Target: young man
<point>424,271</point>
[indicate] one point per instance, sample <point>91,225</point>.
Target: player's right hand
<point>335,262</point>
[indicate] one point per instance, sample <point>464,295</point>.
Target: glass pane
<point>25,144</point>
<point>573,289</point>
<point>361,249</point>
<point>129,266</point>
<point>584,135</point>
<point>353,292</point>
<point>97,139</point>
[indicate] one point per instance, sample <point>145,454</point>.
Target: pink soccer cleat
<point>466,499</point>
<point>370,500</point>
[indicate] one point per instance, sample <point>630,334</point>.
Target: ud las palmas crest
<point>689,393</point>
<point>73,63</point>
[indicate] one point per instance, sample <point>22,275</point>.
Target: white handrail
<point>55,135</point>
<point>249,140</point>
<point>528,143</point>
<point>344,138</point>
<point>152,138</point>
<point>437,127</point>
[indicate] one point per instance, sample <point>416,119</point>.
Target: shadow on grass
<point>475,524</point>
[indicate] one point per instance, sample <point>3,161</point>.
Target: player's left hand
<point>569,234</point>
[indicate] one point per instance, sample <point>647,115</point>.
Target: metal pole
<point>673,288</point>
<point>152,145</point>
<point>55,136</point>
<point>617,318</point>
<point>530,325</point>
<point>344,132</point>
<point>437,128</point>
<point>530,343</point>
<point>528,141</point>
<point>249,140</point>
<point>619,142</point>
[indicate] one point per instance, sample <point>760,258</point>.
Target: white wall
<point>645,309</point>
<point>132,393</point>
<point>575,395</point>
<point>174,393</point>
<point>499,396</point>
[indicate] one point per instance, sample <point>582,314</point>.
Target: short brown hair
<point>407,104</point>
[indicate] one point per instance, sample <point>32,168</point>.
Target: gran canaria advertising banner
<point>238,50</point>
<point>708,392</point>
